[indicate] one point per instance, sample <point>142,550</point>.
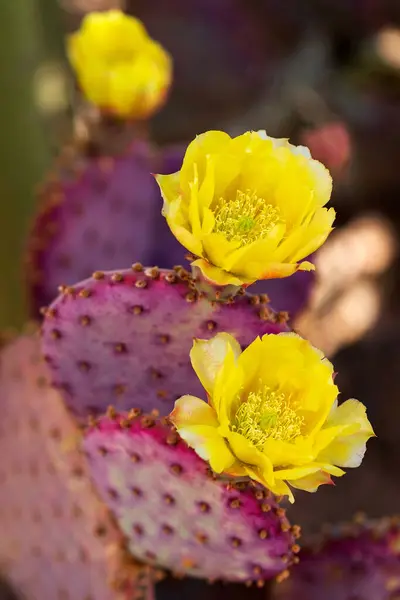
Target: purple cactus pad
<point>290,294</point>
<point>100,213</point>
<point>124,338</point>
<point>356,562</point>
<point>175,514</point>
<point>58,540</point>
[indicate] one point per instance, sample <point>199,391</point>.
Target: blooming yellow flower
<point>272,413</point>
<point>118,66</point>
<point>249,207</point>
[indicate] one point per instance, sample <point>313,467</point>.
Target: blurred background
<point>325,73</point>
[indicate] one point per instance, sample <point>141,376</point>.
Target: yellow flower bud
<point>119,67</point>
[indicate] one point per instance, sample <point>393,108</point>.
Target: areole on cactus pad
<point>173,511</point>
<point>124,337</point>
<point>58,540</point>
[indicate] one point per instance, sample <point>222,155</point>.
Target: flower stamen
<point>267,414</point>
<point>245,219</point>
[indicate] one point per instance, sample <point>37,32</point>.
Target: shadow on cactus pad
<point>197,589</point>
<point>174,512</point>
<point>7,592</point>
<point>105,213</point>
<point>124,338</point>
<point>358,561</point>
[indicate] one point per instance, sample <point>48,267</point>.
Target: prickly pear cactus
<point>124,337</point>
<point>173,511</point>
<point>99,213</point>
<point>104,213</point>
<point>58,541</point>
<point>361,560</point>
<point>101,489</point>
<point>117,488</point>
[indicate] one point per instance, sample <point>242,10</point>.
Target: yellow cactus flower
<point>118,66</point>
<point>272,413</point>
<point>249,207</point>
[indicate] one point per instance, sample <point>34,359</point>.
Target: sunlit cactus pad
<point>172,511</point>
<point>58,541</point>
<point>356,562</point>
<point>124,337</point>
<point>100,213</point>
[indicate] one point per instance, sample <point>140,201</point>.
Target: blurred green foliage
<point>30,36</point>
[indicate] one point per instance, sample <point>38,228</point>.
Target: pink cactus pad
<point>100,213</point>
<point>356,562</point>
<point>58,541</point>
<point>124,338</point>
<point>173,511</point>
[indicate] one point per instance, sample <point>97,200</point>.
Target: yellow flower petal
<point>332,470</point>
<point>185,238</point>
<point>249,260</point>
<point>178,224</point>
<point>208,356</point>
<point>296,472</point>
<point>248,454</point>
<point>208,222</point>
<point>203,145</point>
<point>323,437</point>
<point>250,363</point>
<point>207,188</point>
<point>111,32</point>
<point>216,275</point>
<point>194,210</point>
<point>316,230</point>
<point>169,187</point>
<point>96,83</point>
<point>295,364</point>
<point>322,182</point>
<point>348,448</point>
<point>227,387</point>
<point>217,248</point>
<point>281,453</point>
<point>306,266</point>
<point>277,486</point>
<point>236,470</point>
<point>190,410</point>
<point>209,445</point>
<point>311,483</point>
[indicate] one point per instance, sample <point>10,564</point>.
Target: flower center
<point>246,219</point>
<point>267,414</point>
